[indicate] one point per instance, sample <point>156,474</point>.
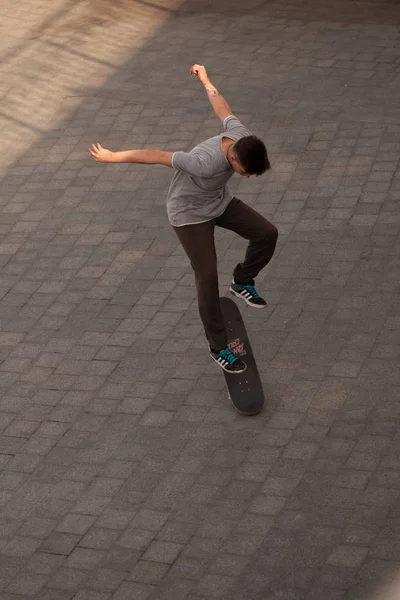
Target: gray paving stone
<point>163,552</point>
<point>139,591</point>
<point>60,543</point>
<point>54,594</point>
<point>148,572</point>
<point>20,546</point>
<point>36,527</point>
<point>85,558</point>
<point>136,539</point>
<point>92,505</point>
<point>214,585</point>
<point>115,519</point>
<point>99,538</point>
<point>26,583</point>
<point>75,524</point>
<point>89,595</point>
<point>350,557</point>
<point>68,579</point>
<point>105,580</point>
<point>121,558</point>
<point>44,563</point>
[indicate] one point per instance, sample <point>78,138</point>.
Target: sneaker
<point>248,293</point>
<point>228,361</point>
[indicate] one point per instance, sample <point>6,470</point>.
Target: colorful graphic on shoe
<point>248,293</point>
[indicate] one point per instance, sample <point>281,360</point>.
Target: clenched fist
<point>200,72</point>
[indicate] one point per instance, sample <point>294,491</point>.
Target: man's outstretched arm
<point>143,157</point>
<point>218,102</point>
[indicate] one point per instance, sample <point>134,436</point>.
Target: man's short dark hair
<point>252,155</point>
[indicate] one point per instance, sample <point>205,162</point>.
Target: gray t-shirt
<point>198,191</point>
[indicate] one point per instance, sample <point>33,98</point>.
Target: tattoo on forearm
<point>212,91</point>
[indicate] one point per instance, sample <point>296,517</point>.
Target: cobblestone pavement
<point>125,472</point>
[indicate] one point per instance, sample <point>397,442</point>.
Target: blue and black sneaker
<point>228,361</point>
<point>248,293</point>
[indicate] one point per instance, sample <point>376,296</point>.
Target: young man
<point>198,200</point>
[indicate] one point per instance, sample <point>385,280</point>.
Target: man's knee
<point>272,233</point>
<point>269,234</point>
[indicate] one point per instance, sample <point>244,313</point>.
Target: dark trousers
<point>198,243</point>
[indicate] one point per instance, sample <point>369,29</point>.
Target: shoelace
<point>228,355</point>
<point>252,290</point>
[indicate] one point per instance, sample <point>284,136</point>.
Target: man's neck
<point>227,143</point>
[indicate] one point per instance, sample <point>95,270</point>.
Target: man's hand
<point>101,154</point>
<point>200,72</point>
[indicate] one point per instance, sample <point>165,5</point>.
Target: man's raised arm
<point>143,157</point>
<point>218,102</point>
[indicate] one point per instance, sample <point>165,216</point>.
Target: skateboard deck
<point>245,389</point>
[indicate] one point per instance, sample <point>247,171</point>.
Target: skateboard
<point>244,389</point>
